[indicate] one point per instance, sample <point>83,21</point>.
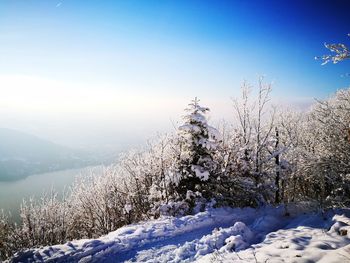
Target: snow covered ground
<point>216,235</point>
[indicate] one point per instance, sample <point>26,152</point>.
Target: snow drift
<point>216,235</point>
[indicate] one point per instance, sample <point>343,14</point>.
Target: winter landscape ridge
<point>174,131</point>
<point>187,194</point>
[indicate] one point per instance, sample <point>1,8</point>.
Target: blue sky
<point>124,61</point>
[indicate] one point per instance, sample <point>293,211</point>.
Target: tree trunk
<point>277,163</point>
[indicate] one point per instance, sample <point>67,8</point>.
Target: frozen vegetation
<point>271,187</point>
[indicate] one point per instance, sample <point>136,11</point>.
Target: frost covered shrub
<point>98,205</point>
<point>235,185</point>
<point>329,159</point>
<point>7,245</point>
<point>246,170</point>
<point>178,208</point>
<point>44,222</point>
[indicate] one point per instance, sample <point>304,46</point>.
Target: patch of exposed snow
<point>306,241</point>
<point>127,208</point>
<point>200,172</point>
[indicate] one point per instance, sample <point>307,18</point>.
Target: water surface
<point>13,192</point>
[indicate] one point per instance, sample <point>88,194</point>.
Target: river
<point>13,192</point>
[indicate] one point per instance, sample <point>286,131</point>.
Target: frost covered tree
<point>332,159</point>
<point>254,131</point>
<point>262,130</point>
<point>332,149</point>
<point>195,167</point>
<point>286,154</point>
<point>341,52</point>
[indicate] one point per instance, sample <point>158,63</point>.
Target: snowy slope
<point>303,240</point>
<point>212,236</point>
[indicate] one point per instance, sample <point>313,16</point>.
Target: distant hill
<point>23,154</point>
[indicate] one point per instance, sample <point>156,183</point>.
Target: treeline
<point>269,156</point>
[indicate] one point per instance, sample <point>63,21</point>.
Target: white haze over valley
<point>104,116</point>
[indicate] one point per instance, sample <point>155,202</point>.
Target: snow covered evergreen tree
<point>195,166</point>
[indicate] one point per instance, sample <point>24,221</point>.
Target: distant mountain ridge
<point>22,154</point>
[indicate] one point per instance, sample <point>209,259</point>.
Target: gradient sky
<point>107,72</point>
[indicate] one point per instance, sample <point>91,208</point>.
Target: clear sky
<point>97,71</point>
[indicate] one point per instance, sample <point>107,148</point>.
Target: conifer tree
<point>196,164</point>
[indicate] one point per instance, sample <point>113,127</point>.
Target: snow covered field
<point>216,235</point>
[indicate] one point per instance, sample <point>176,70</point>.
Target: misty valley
<point>31,167</point>
<point>22,155</point>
